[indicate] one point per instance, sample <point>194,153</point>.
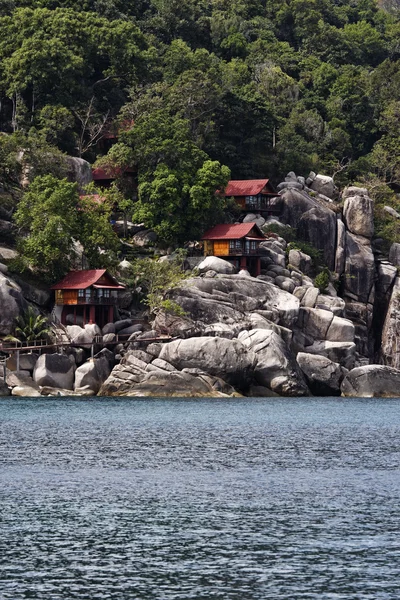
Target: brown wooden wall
<point>221,248</point>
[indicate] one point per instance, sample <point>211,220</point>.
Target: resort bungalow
<point>239,244</point>
<point>253,195</point>
<point>87,296</point>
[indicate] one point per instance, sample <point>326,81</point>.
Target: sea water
<point>203,499</point>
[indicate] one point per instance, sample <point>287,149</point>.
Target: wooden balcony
<point>244,251</point>
<point>86,300</point>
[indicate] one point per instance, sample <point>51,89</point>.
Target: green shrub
<point>322,280</point>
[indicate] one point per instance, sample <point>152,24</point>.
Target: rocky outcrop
<point>372,381</point>
<point>228,359</point>
<point>12,304</point>
<point>390,344</point>
<point>92,374</point>
<point>213,263</point>
<point>276,368</point>
<point>358,213</point>
<point>55,370</point>
<point>79,171</point>
<point>359,269</point>
<point>323,375</point>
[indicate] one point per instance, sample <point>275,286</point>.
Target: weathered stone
<point>372,381</point>
<point>4,389</point>
<point>123,324</point>
<point>27,362</point>
<point>394,254</point>
<point>145,238</point>
<point>340,257</point>
<point>228,359</point>
<point>108,328</point>
<point>315,322</point>
<point>390,344</point>
<point>83,336</point>
<point>227,299</point>
<point>358,213</point>
<point>392,212</point>
<point>340,330</point>
<point>213,263</point>
<point>276,367</point>
<point>335,305</point>
<point>353,190</point>
<point>300,260</point>
<point>12,305</point>
<point>359,268</point>
<point>343,353</point>
<point>323,376</point>
<point>323,184</point>
<point>55,370</point>
<point>79,171</point>
<point>94,372</point>
<point>127,331</point>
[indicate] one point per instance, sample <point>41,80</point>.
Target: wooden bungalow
<point>253,195</point>
<point>239,244</point>
<point>88,296</point>
<point>104,177</point>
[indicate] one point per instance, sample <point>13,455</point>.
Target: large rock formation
<point>12,304</point>
<point>372,381</point>
<point>55,370</point>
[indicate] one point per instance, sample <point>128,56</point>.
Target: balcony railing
<point>87,300</point>
<point>244,251</point>
<point>262,205</point>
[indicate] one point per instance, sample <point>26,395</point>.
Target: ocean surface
<point>242,499</point>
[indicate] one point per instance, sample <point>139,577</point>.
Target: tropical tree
<point>29,326</point>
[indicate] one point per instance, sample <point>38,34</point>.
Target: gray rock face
<point>300,260</point>
<point>227,299</point>
<point>54,370</point>
<point>390,345</point>
<point>178,384</point>
<point>34,294</point>
<point>358,213</point>
<point>353,190</point>
<point>228,359</point>
<point>323,376</point>
<point>394,254</point>
<point>93,373</point>
<point>4,389</point>
<point>323,184</point>
<point>372,381</point>
<point>359,268</point>
<point>12,305</point>
<point>343,353</point>
<point>318,227</point>
<point>340,257</point>
<point>145,238</point>
<point>80,171</point>
<point>83,336</point>
<point>276,368</point>
<point>213,263</point>
<point>392,212</point>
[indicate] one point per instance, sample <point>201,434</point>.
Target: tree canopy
<point>203,89</point>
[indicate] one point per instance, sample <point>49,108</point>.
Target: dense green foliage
<point>29,327</point>
<point>53,218</point>
<point>250,87</point>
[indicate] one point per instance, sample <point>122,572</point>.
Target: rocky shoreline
<point>275,334</point>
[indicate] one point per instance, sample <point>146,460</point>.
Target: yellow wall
<point>221,248</point>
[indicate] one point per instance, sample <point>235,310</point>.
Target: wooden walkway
<point>11,349</point>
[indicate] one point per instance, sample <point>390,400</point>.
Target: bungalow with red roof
<point>253,195</point>
<point>87,296</point>
<point>239,244</point>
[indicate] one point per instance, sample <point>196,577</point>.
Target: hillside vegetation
<point>202,91</point>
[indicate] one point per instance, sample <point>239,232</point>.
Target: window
<point>81,293</point>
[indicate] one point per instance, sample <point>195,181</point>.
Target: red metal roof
<point>231,232</point>
<point>99,174</point>
<point>80,280</point>
<point>245,187</point>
